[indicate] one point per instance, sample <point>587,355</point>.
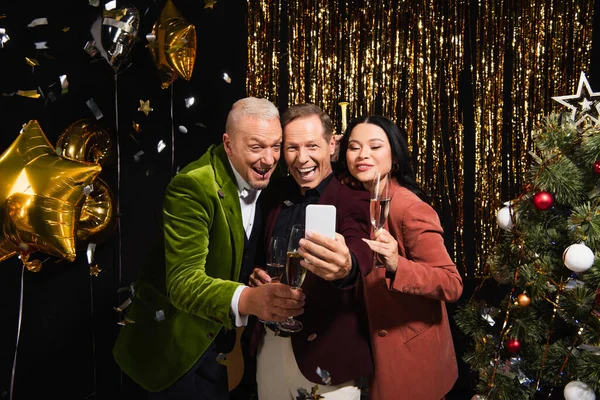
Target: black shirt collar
<point>318,191</point>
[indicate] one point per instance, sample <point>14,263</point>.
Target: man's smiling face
<point>306,151</point>
<point>254,149</point>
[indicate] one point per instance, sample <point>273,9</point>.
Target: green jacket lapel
<point>229,197</point>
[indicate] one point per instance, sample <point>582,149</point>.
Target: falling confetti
<point>145,107</point>
<point>94,108</point>
<point>190,101</point>
<point>95,270</point>
<point>37,22</point>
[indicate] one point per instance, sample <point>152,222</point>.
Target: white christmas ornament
<point>578,257</point>
<point>504,219</point>
<point>577,390</point>
<point>478,397</point>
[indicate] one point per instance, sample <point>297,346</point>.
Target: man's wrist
<point>238,316</point>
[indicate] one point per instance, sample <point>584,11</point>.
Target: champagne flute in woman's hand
<point>295,274</point>
<point>380,205</point>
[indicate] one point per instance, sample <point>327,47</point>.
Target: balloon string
<point>118,178</point>
<point>14,367</point>
<point>118,201</point>
<point>172,135</point>
<point>93,337</point>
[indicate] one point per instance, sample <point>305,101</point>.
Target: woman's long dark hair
<point>401,166</point>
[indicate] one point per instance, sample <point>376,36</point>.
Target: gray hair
<point>252,107</point>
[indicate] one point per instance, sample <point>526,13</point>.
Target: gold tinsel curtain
<point>467,80</point>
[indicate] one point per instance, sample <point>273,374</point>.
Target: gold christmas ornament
<point>41,195</point>
<point>523,300</point>
<point>173,47</point>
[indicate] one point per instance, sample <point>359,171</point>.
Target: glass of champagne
<point>380,205</point>
<point>276,257</point>
<point>295,274</point>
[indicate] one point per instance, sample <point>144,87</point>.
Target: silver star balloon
<point>582,105</point>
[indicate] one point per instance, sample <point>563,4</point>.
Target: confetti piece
<point>324,375</point>
<point>190,101</point>
<point>41,45</point>
<point>226,77</point>
<point>38,22</point>
<point>32,62</point>
<point>90,48</point>
<point>91,248</point>
<point>64,84</point>
<point>95,270</point>
<point>183,129</point>
<point>138,156</point>
<point>32,94</point>
<point>145,107</point>
<point>161,146</point>
<point>94,108</point>
<point>88,189</point>
<point>123,306</point>
<point>3,37</point>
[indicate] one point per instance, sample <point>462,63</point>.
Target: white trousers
<point>279,378</point>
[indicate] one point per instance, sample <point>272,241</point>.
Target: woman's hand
<point>387,247</point>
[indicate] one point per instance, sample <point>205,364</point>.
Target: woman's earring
<point>395,167</point>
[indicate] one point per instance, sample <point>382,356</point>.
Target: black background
<point>68,322</point>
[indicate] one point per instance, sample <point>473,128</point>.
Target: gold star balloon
<point>174,46</point>
<point>41,195</point>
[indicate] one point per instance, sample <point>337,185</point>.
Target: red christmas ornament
<point>513,345</point>
<point>543,200</point>
<point>597,167</point>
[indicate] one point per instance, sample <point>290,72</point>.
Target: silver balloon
<point>119,31</point>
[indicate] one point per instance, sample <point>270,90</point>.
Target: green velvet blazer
<point>178,310</point>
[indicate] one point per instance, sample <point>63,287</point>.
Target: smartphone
<point>320,218</point>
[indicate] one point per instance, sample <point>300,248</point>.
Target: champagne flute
<point>295,274</point>
<point>276,258</point>
<point>380,205</point>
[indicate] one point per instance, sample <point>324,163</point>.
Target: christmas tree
<point>542,339</point>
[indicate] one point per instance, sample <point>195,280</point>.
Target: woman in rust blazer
<point>405,301</point>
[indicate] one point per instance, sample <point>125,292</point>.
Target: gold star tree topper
<point>582,105</point>
<point>145,107</point>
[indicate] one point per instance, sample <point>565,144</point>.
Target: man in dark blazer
<point>335,335</point>
<point>184,312</point>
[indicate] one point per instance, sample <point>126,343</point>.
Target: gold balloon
<point>85,141</point>
<point>41,195</point>
<point>98,214</point>
<point>7,249</point>
<point>174,46</point>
